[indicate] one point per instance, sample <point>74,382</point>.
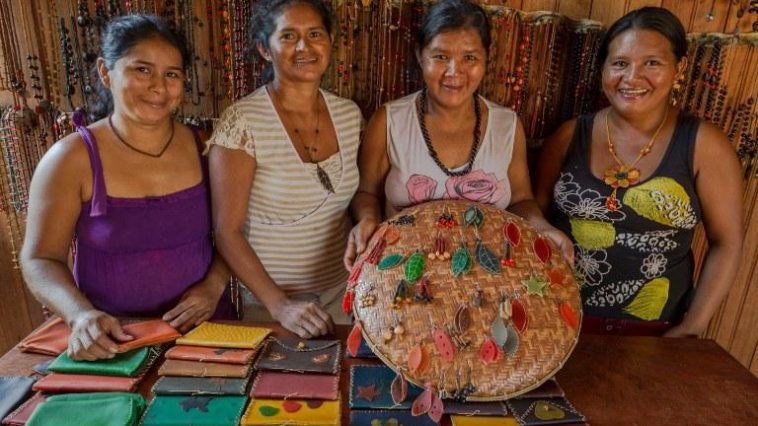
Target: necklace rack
<point>134,148</point>
<point>433,153</point>
<point>620,175</point>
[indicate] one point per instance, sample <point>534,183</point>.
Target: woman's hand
<point>92,335</point>
<point>358,239</point>
<point>306,319</point>
<point>197,304</point>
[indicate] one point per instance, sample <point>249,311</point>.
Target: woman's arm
<point>55,199</point>
<point>718,183</point>
<point>522,199</point>
<point>374,165</point>
<point>231,174</point>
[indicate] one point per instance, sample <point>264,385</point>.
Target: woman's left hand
<point>564,243</point>
<point>196,305</point>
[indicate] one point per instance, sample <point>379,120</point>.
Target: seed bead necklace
<point>620,175</point>
<point>433,153</point>
<point>134,148</point>
<point>323,176</point>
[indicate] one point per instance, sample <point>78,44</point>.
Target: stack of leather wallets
<point>204,379</point>
<point>372,403</point>
<point>90,392</point>
<point>297,382</point>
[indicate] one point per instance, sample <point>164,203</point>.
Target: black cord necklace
<point>134,148</point>
<point>474,145</point>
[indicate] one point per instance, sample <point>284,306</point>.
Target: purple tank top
<point>137,256</point>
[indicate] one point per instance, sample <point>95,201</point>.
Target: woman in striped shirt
<point>283,171</point>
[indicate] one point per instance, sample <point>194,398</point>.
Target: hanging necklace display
<point>140,151</point>
<point>427,139</point>
<point>620,175</point>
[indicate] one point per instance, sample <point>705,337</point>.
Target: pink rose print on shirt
<point>476,186</point>
<point>420,188</point>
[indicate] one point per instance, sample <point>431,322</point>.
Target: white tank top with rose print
<point>414,177</point>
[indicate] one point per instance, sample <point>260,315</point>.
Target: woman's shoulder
<point>338,102</point>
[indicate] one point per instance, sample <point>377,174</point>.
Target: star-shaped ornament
<point>535,286</point>
<point>367,392</point>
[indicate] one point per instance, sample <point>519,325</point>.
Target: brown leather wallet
<point>50,339</point>
<point>206,354</point>
<point>62,383</point>
<point>148,333</point>
<point>21,415</point>
<point>175,367</point>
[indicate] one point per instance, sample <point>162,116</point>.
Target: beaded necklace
<point>433,153</point>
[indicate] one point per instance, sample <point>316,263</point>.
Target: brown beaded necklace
<point>134,148</point>
<point>433,153</point>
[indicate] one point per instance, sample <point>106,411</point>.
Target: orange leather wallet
<point>206,354</point>
<point>148,333</point>
<point>50,339</point>
<point>175,367</point>
<point>21,415</point>
<point>62,383</point>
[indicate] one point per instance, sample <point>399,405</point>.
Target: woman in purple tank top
<point>131,190</point>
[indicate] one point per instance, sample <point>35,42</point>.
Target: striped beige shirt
<point>296,227</point>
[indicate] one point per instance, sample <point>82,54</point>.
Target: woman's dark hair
<point>655,19</point>
<point>263,24</point>
<point>448,15</point>
<point>118,38</point>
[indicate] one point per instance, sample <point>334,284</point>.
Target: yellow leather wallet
<point>225,336</point>
<point>291,412</point>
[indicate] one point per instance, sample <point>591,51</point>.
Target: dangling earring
<point>676,90</point>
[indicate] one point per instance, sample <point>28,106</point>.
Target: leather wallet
<point>493,408</point>
<point>200,386</point>
<point>123,364</point>
<point>225,336</point>
<point>101,408</point>
<point>371,385</point>
<point>272,384</point>
<point>388,418</point>
<point>50,339</point>
<point>364,351</point>
<point>291,412</point>
<point>194,410</point>
<point>206,354</point>
<point>62,383</point>
<point>463,420</point>
<point>176,367</point>
<point>148,333</point>
<point>314,356</point>
<point>13,391</point>
<point>21,415</point>
<point>544,411</point>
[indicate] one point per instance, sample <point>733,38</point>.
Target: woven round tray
<point>491,332</point>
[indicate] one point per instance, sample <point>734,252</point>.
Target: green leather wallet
<point>89,409</point>
<point>194,410</point>
<point>126,364</point>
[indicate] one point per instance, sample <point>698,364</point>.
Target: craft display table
<point>611,380</point>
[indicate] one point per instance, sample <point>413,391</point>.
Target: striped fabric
<point>295,226</point>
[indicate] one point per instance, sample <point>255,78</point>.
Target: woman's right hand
<point>358,240</point>
<point>92,335</point>
<point>305,318</point>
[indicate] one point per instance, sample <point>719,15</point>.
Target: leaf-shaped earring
<point>399,389</point>
<point>423,294</point>
<point>414,267</point>
<point>423,403</point>
<point>473,216</point>
<point>486,258</point>
<point>442,341</point>
<point>418,360</point>
<point>461,262</point>
<point>392,235</point>
<point>390,261</point>
<point>568,314</point>
<point>489,351</point>
<point>542,249</point>
<point>518,315</point>
<point>354,339</point>
<point>512,233</point>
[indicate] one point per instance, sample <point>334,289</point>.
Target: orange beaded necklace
<point>620,175</point>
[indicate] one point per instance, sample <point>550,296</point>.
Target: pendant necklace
<point>323,177</point>
<point>134,148</point>
<point>620,175</point>
<point>433,153</point>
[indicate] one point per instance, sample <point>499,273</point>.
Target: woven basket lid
<point>500,322</point>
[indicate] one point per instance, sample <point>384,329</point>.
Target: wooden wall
<point>735,326</point>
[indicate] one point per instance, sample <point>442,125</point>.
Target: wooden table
<point>611,380</point>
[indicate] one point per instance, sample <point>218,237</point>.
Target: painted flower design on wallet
<point>476,186</point>
<point>420,188</point>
